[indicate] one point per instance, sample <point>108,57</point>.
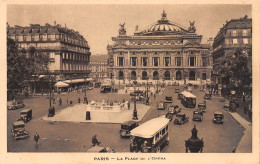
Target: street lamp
<point>135,111</point>
<point>51,110</point>
<point>194,144</point>
<point>85,90</point>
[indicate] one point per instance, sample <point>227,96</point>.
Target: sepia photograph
<point>130,80</point>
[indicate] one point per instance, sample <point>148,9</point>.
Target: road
<point>76,137</point>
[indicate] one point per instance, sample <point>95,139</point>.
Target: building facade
<point>236,33</point>
<point>98,66</point>
<point>68,51</point>
<point>163,51</point>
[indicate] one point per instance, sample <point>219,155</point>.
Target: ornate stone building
<point>98,66</point>
<point>236,33</point>
<point>164,51</point>
<point>68,50</point>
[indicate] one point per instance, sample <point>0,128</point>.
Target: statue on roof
<point>122,30</point>
<point>136,28</point>
<point>192,27</point>
<point>164,15</point>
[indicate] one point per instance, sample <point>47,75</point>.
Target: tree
<point>23,65</point>
<point>233,68</point>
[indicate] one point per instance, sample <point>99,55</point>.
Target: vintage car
<point>226,104</point>
<point>16,104</point>
<point>202,106</point>
<point>168,99</point>
<point>161,105</point>
<point>18,130</point>
<point>207,96</point>
<point>105,88</point>
<point>195,86</point>
<point>25,115</point>
<point>100,149</point>
<point>197,116</point>
<point>175,84</point>
<point>199,110</point>
<point>97,84</point>
<point>181,119</point>
<point>126,127</point>
<point>218,118</point>
<point>177,90</point>
<point>138,98</point>
<point>173,109</point>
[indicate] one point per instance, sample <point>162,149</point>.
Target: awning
<point>61,84</point>
<point>73,81</point>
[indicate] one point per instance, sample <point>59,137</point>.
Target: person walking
<point>128,105</point>
<point>79,100</point>
<point>36,139</point>
<point>95,141</point>
<point>60,101</point>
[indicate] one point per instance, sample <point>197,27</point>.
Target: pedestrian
<point>60,101</point>
<point>95,141</point>
<point>70,102</point>
<point>234,150</point>
<point>128,105</point>
<point>244,97</point>
<point>78,100</point>
<point>36,139</point>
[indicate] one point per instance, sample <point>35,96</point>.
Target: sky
<point>98,23</point>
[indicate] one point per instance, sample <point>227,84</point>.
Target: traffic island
<point>78,113</point>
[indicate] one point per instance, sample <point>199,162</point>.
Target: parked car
<point>179,96</point>
<point>100,149</point>
<point>226,104</point>
<point>168,99</point>
<point>202,106</point>
<point>199,110</point>
<point>207,96</point>
<point>177,90</point>
<point>16,104</point>
<point>25,115</point>
<point>18,130</point>
<point>218,118</point>
<point>197,116</point>
<point>138,98</point>
<point>161,105</point>
<point>175,84</point>
<point>126,127</point>
<point>181,120</point>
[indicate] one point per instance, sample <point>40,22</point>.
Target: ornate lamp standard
<point>194,144</point>
<point>135,111</point>
<point>85,90</point>
<point>51,110</point>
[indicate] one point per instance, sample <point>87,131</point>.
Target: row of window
<point>74,57</point>
<point>166,53</point>
<point>166,75</point>
<point>46,37</point>
<point>166,61</point>
<point>236,41</point>
<point>239,32</point>
<point>70,66</point>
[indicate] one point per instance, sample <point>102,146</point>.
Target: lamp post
<point>194,144</point>
<point>85,90</point>
<point>51,109</point>
<point>135,111</point>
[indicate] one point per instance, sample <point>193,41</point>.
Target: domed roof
<point>163,27</point>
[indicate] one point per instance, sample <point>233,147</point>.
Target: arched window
<point>144,75</point>
<point>192,75</point>
<point>155,75</point>
<point>120,75</point>
<point>133,75</point>
<point>178,75</point>
<point>204,76</point>
<point>167,75</point>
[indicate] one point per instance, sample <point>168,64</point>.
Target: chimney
<point>54,23</point>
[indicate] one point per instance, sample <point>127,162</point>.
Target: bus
<point>151,136</point>
<point>188,99</point>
